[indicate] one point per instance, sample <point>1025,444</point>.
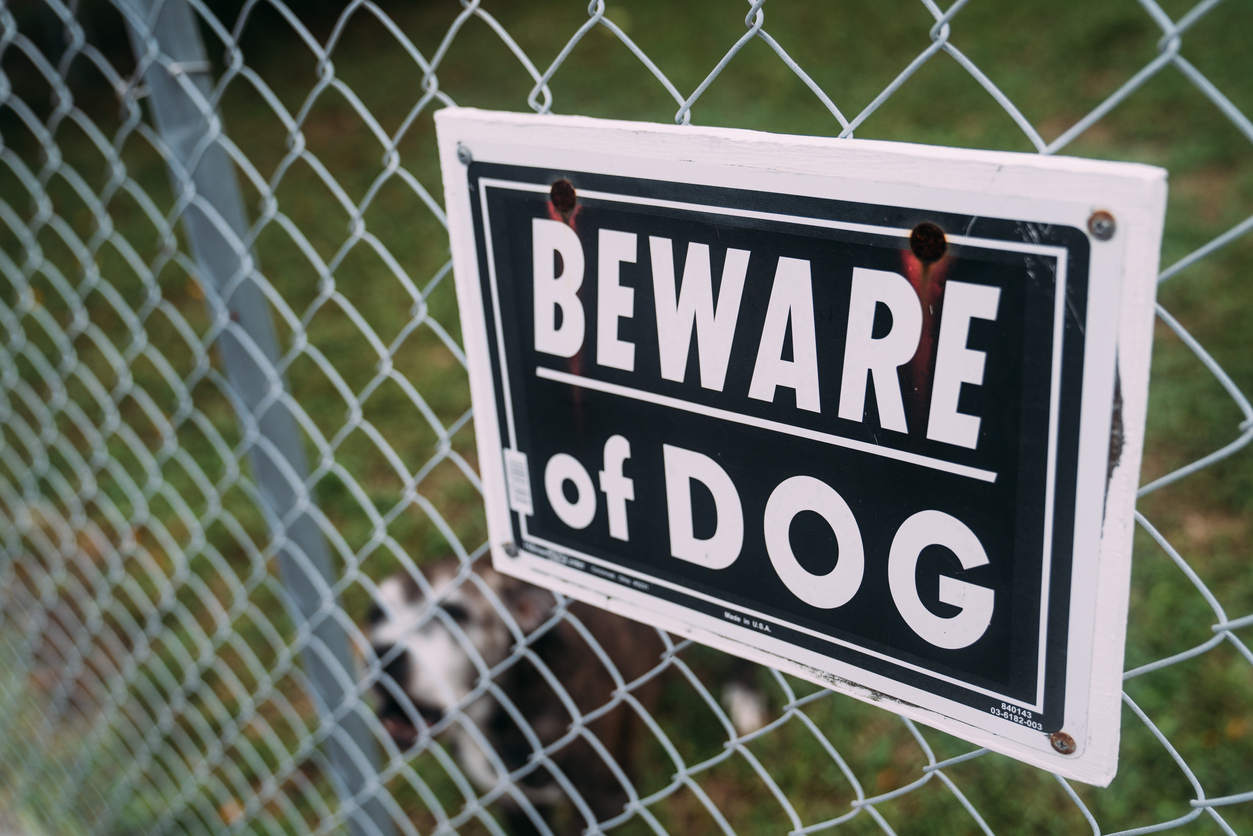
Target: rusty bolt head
<point>928,243</point>
<point>563,197</point>
<point>1102,225</point>
<point>1062,742</point>
<point>464,155</point>
<point>511,548</point>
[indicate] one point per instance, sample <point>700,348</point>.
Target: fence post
<point>178,83</point>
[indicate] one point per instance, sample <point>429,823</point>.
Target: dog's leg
<point>744,699</point>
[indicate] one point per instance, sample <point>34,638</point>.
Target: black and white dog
<point>436,651</point>
<point>442,655</point>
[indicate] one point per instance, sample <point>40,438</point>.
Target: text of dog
<point>723,547</point>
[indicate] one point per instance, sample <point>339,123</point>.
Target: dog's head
<point>435,644</point>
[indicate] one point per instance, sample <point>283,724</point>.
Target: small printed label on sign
<point>519,477</point>
<point>854,427</point>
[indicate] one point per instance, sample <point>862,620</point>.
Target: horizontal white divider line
<point>775,426</point>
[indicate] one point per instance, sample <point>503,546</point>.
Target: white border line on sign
<point>1058,254</point>
<point>708,209</point>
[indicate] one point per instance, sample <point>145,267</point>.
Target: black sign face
<point>870,413</point>
<point>769,410</point>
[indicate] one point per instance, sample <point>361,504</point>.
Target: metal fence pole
<point>168,48</point>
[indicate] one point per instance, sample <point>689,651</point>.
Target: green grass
<point>1056,61</point>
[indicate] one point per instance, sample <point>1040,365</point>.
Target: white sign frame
<point>1028,188</point>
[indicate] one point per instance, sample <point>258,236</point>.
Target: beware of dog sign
<point>866,412</point>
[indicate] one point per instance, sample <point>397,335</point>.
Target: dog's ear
<point>529,605</point>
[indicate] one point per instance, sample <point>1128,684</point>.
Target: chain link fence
<point>234,412</point>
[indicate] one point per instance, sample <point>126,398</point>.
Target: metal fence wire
<point>234,418</point>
